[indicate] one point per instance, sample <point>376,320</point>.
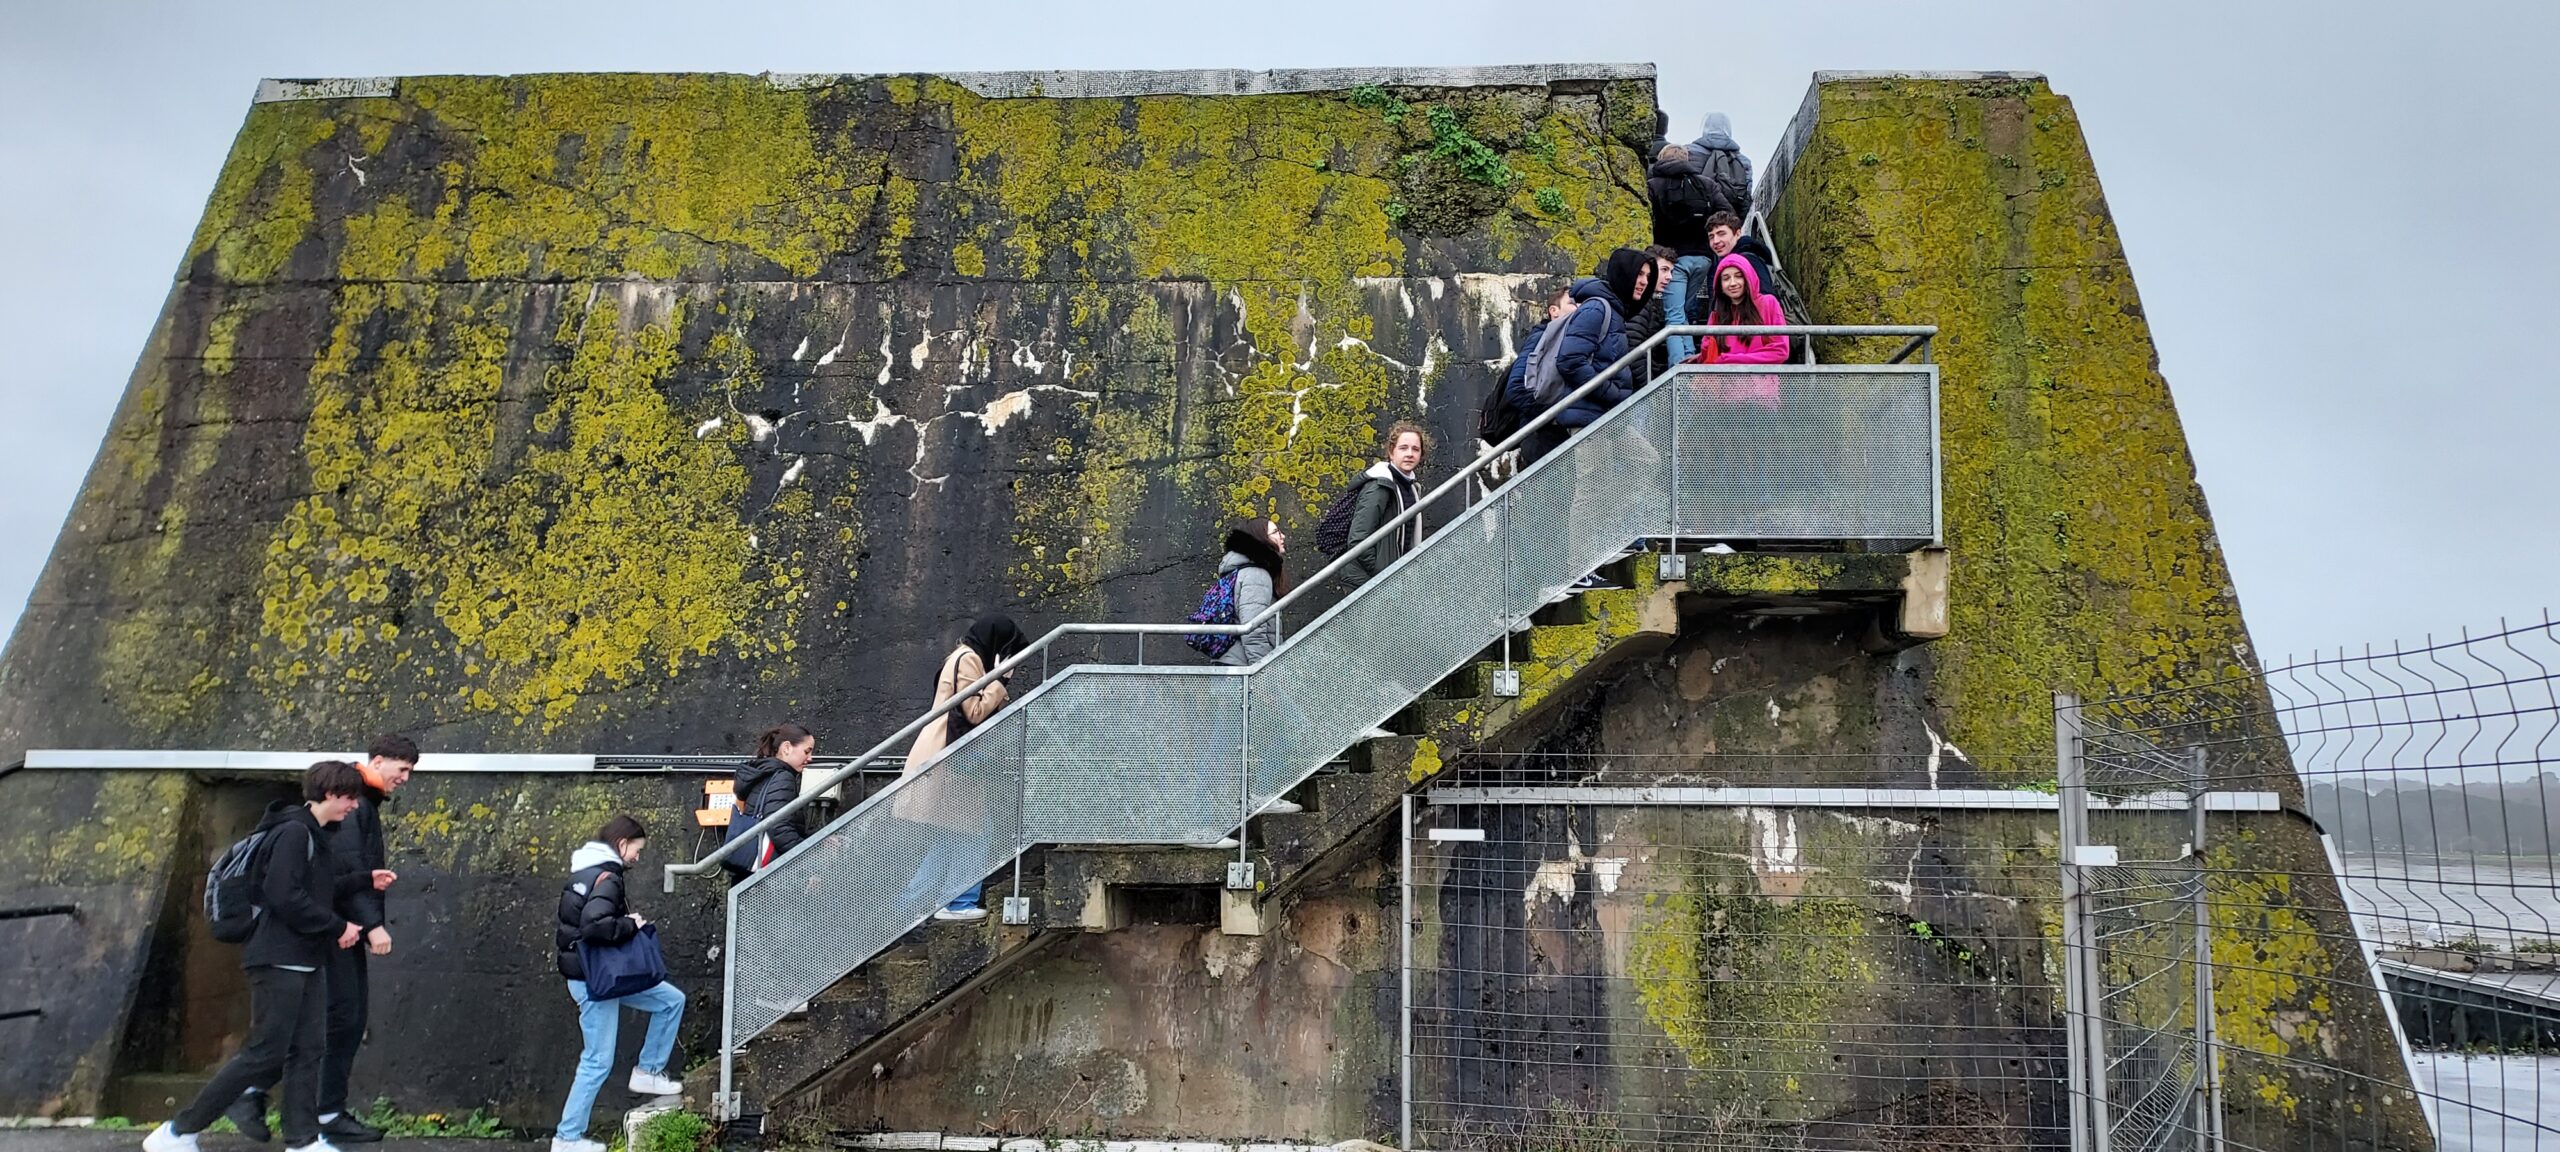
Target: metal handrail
<point>1920,333</point>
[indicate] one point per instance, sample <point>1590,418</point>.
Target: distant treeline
<point>2386,816</point>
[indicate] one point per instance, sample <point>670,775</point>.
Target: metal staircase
<point>1152,754</point>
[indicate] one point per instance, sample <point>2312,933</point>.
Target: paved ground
<point>91,1140</point>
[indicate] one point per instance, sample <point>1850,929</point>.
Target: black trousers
<point>349,999</point>
<point>288,1018</point>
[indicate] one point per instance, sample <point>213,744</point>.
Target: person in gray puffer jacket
<point>1254,553</point>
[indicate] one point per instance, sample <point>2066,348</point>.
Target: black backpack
<point>1496,417</point>
<point>231,887</point>
<point>1333,533</point>
<point>1724,174</point>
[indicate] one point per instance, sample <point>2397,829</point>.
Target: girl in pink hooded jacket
<point>1735,298</point>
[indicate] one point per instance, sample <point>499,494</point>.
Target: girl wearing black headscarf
<point>991,639</point>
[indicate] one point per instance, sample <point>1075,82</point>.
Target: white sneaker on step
<point>1221,844</point>
<point>1718,549</point>
<point>1377,734</point>
<point>960,915</point>
<point>649,1083</point>
<point>166,1138</point>
<point>1281,808</point>
<point>560,1145</point>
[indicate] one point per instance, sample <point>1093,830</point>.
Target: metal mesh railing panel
<point>1810,455</point>
<point>1133,756</point>
<point>857,885</point>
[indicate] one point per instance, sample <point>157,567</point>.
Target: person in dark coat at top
<point>1591,338</point>
<point>763,785</point>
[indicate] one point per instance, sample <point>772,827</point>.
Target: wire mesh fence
<point>2372,967</point>
<point>1647,975</point>
<point>2306,909</point>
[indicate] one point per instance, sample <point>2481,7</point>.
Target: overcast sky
<point>2295,188</point>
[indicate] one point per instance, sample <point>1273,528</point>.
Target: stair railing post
<point>1244,764</point>
<point>2084,991</point>
<point>725,1108</point>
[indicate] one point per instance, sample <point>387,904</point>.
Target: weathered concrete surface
<point>544,412</point>
<point>635,413</point>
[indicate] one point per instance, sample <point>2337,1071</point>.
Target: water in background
<point>2482,1103</point>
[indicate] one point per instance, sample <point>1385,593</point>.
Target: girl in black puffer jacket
<point>762,786</point>
<point>594,909</point>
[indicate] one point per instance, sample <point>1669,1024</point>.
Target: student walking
<point>762,786</point>
<point>1254,553</point>
<point>594,910</point>
<point>358,844</point>
<point>991,639</point>
<point>1585,342</point>
<point>1388,488</point>
<point>298,884</point>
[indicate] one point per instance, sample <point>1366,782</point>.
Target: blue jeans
<point>1675,304</point>
<point>601,1022</point>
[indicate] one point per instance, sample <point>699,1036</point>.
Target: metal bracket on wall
<point>1017,910</point>
<point>1506,681</point>
<point>1671,566</point>
<point>1240,875</point>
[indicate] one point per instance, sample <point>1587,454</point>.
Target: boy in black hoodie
<point>287,957</point>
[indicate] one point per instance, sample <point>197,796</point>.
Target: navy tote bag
<point>618,970</point>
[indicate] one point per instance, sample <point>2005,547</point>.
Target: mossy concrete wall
<point>2083,560</point>
<point>638,412</point>
<point>468,1010</point>
<point>558,412</point>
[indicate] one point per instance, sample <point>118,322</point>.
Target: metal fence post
<point>2208,1082</point>
<point>1404,981</point>
<point>2083,991</point>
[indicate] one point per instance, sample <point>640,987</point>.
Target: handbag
<point>618,970</point>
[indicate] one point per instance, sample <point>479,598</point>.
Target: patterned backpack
<point>1217,606</point>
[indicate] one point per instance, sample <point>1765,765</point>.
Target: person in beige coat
<point>990,640</point>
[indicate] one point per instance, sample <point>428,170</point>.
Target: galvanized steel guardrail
<point>1154,754</point>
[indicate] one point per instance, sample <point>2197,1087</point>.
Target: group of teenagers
<point>320,866</point>
<point>317,877</point>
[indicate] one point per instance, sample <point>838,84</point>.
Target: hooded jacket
<point>1384,494</point>
<point>1758,391</point>
<point>763,787</point>
<point>592,906</point>
<point>1682,199</point>
<point>1593,338</point>
<point>299,886</point>
<point>1717,136</point>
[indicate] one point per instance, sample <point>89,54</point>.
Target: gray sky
<point>2284,176</point>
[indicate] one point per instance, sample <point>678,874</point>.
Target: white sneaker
<point>960,915</point>
<point>165,1138</point>
<point>1718,549</point>
<point>649,1083</point>
<point>1281,808</point>
<point>318,1144</point>
<point>1377,734</point>
<point>1221,844</point>
<point>560,1145</point>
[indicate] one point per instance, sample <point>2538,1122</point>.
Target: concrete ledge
<point>1069,84</point>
